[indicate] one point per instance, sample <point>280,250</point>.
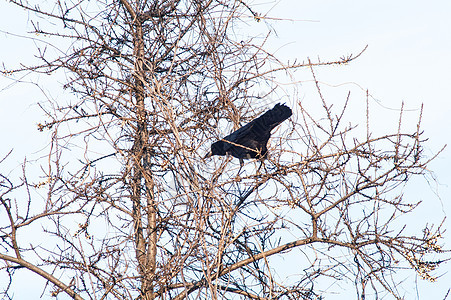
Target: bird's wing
<point>236,136</point>
<point>256,133</point>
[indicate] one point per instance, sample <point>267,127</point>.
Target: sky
<point>408,60</point>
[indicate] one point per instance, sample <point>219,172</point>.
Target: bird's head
<point>217,149</point>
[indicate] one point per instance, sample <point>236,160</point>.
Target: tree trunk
<point>146,256</point>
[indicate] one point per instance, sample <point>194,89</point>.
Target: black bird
<point>250,140</point>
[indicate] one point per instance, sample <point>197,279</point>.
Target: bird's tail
<point>275,116</point>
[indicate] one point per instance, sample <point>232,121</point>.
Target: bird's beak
<point>208,155</point>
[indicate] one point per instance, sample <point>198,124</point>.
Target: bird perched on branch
<point>250,141</point>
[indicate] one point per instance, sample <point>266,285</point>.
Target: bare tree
<point>153,83</point>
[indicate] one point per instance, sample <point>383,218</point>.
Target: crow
<point>250,141</point>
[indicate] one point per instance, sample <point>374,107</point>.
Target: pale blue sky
<point>408,59</point>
